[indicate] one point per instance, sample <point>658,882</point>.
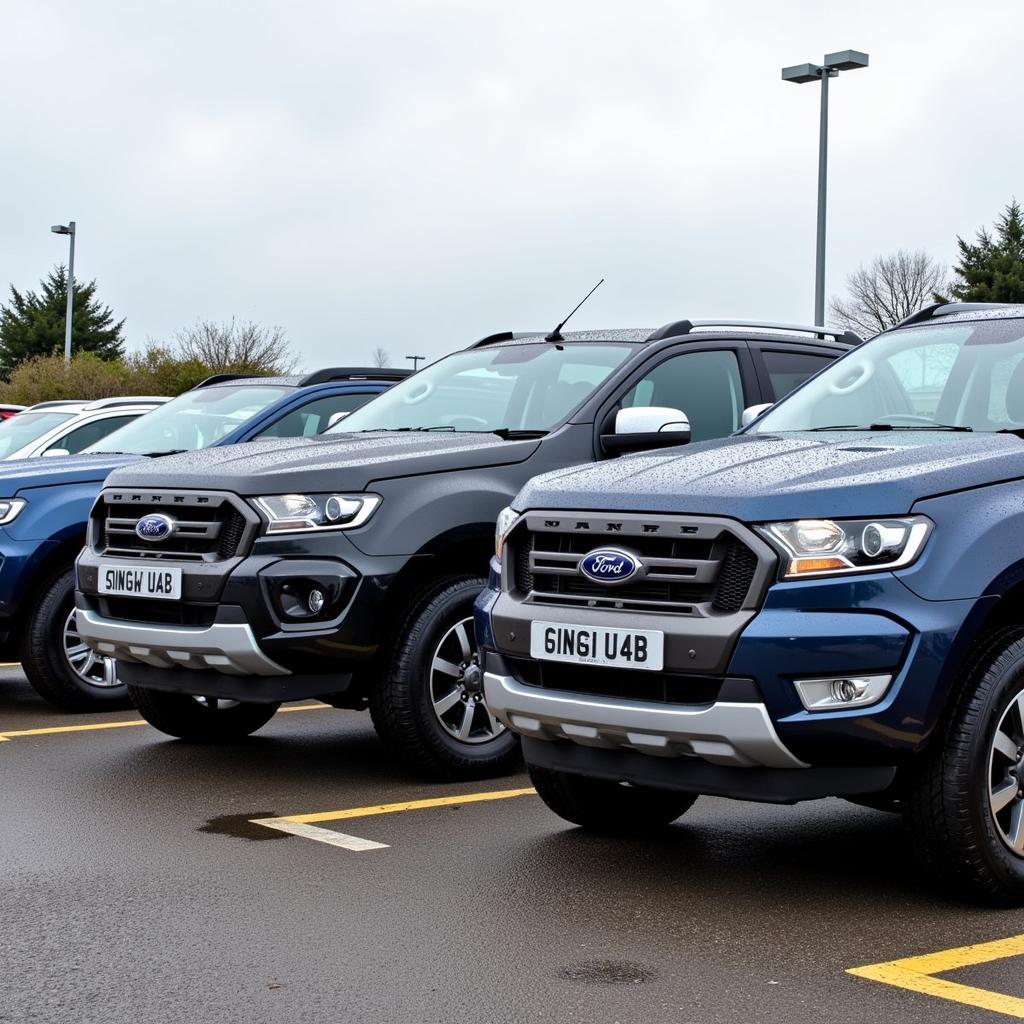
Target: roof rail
<point>353,373</point>
<point>220,378</point>
<point>493,339</point>
<point>947,308</point>
<point>119,400</point>
<point>55,402</point>
<point>680,327</point>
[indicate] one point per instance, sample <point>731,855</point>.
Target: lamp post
<point>69,230</point>
<point>844,60</point>
<point>415,360</point>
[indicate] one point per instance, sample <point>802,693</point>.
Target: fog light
<point>315,601</point>
<point>836,693</point>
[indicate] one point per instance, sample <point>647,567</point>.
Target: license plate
<point>598,645</point>
<point>141,581</point>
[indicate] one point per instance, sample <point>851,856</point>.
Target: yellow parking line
<point>918,973</point>
<point>54,730</point>
<point>409,805</point>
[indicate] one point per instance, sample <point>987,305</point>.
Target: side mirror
<point>753,411</point>
<point>56,451</point>
<point>642,428</point>
<point>336,417</point>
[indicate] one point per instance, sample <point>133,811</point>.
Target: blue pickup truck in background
<point>45,503</point>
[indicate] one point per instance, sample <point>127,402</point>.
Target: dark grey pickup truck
<point>345,566</point>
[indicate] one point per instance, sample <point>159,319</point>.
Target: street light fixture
<point>844,60</point>
<point>415,360</point>
<point>68,229</point>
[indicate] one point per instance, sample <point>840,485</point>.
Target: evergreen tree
<point>32,324</point>
<point>991,269</point>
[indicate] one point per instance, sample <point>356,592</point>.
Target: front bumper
<point>738,734</point>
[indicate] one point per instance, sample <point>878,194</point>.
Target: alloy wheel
<point>1006,776</point>
<point>92,668</point>
<point>456,687</point>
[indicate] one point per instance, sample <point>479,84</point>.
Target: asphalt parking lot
<point>136,886</point>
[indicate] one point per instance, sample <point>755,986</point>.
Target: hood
<point>58,470</point>
<point>338,462</point>
<point>756,477</point>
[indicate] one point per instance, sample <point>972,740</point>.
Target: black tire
<point>603,806</point>
<point>45,659</point>
<point>402,704</point>
<point>200,720</point>
<point>952,826</point>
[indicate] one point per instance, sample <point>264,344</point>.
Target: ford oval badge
<point>609,565</point>
<point>155,526</point>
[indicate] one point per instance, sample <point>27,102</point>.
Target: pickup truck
<point>45,505</point>
<point>355,556</point>
<point>829,603</point>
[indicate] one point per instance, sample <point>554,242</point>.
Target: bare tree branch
<point>887,291</point>
<point>380,357</point>
<point>238,346</point>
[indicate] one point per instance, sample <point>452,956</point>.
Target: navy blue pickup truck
<point>829,603</point>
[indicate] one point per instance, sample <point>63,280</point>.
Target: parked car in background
<point>67,427</point>
<point>46,504</point>
<point>830,603</point>
<point>345,566</point>
<point>7,411</point>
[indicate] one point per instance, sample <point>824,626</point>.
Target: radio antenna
<point>556,334</point>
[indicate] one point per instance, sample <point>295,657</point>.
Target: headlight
<point>827,547</point>
<point>9,509</point>
<point>290,513</point>
<point>506,519</point>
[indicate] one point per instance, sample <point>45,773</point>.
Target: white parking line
<point>321,835</point>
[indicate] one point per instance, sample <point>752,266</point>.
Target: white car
<point>67,427</point>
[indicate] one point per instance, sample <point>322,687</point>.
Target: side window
<point>314,416</point>
<point>706,385</point>
<point>89,433</point>
<point>788,370</point>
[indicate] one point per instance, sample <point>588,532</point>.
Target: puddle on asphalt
<point>607,972</point>
<point>240,827</point>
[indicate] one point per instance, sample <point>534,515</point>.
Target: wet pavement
<point>137,887</point>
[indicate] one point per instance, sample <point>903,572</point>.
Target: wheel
<point>603,806</point>
<point>200,719</point>
<point>58,664</point>
<point>429,706</point>
<point>965,805</point>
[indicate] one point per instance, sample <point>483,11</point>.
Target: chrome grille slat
<point>690,566</point>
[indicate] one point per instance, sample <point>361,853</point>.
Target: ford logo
<point>609,565</point>
<point>155,526</point>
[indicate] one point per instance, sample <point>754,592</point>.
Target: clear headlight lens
<point>9,509</point>
<point>506,519</point>
<point>290,513</point>
<point>828,547</point>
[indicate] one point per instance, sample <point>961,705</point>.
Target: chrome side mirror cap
<point>753,411</point>
<point>645,427</point>
<point>336,417</point>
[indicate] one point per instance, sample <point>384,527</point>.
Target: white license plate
<point>598,645</point>
<point>141,581</point>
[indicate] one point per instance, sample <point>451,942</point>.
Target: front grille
<point>174,613</point>
<point>690,565</point>
<point>208,526</point>
<point>661,687</point>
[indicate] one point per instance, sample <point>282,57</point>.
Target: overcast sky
<point>415,175</point>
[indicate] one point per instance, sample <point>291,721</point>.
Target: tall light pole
<point>68,229</point>
<point>415,360</point>
<point>844,60</point>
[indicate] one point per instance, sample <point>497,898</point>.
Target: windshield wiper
<point>157,455</point>
<point>1016,431</point>
<point>512,434</point>
<point>956,427</point>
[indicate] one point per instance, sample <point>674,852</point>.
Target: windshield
<point>530,387</point>
<point>24,428</point>
<point>967,376</point>
<point>195,419</point>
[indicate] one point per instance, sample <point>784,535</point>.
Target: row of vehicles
<point>757,561</point>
